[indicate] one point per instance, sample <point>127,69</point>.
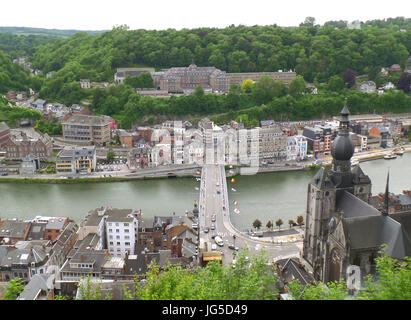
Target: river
<point>266,196</point>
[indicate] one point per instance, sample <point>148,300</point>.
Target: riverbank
<point>87,180</point>
<point>174,173</point>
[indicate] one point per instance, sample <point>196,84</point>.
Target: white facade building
<point>121,231</point>
<point>296,147</point>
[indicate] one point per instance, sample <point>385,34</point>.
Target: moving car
<point>219,241</point>
<point>213,218</point>
<point>213,226</point>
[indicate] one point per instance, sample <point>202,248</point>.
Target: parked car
<point>233,248</point>
<point>206,230</point>
<point>213,247</point>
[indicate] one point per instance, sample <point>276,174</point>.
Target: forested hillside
<point>22,45</point>
<point>12,76</point>
<point>317,53</point>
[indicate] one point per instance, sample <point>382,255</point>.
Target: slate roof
<point>25,256</point>
<point>365,227</point>
<point>354,207</point>
<point>37,283</point>
<point>292,270</point>
<point>79,119</point>
<point>13,228</point>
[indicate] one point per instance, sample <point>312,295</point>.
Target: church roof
<point>365,227</point>
<point>359,177</point>
<point>321,180</point>
<point>354,207</point>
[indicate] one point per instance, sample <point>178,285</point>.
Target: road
<point>214,200</point>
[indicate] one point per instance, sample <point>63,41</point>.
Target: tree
<point>349,77</point>
<point>251,279</point>
<point>320,291</point>
<point>257,224</point>
<point>278,223</point>
<point>300,220</point>
<point>110,156</point>
<point>14,288</point>
<point>336,84</point>
<point>296,86</point>
<point>392,282</point>
<point>393,279</point>
<point>87,291</point>
<point>269,224</point>
<point>291,223</point>
<point>247,85</point>
<point>308,22</point>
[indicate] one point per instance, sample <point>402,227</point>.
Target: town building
<point>29,165</point>
<point>181,79</point>
<point>211,79</point>
<point>116,229</point>
<point>85,83</point>
<point>342,228</point>
<point>20,145</point>
<point>140,158</point>
<point>273,144</point>
<point>400,203</point>
<point>4,134</point>
<point>238,78</point>
<point>39,105</point>
<point>296,147</point>
<point>122,231</point>
<point>384,134</point>
<point>367,87</point>
<point>395,68</point>
<point>76,160</point>
<point>25,262</point>
<point>319,139</point>
<point>122,73</point>
<point>88,129</point>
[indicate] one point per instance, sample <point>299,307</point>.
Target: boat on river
<point>399,151</point>
<point>390,156</point>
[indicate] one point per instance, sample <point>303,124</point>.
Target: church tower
<point>322,194</point>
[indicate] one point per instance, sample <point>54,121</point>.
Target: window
<point>126,230</point>
<point>118,243</point>
<point>117,237</point>
<point>110,230</point>
<point>117,230</point>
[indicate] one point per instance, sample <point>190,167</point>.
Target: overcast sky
<point>178,14</point>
